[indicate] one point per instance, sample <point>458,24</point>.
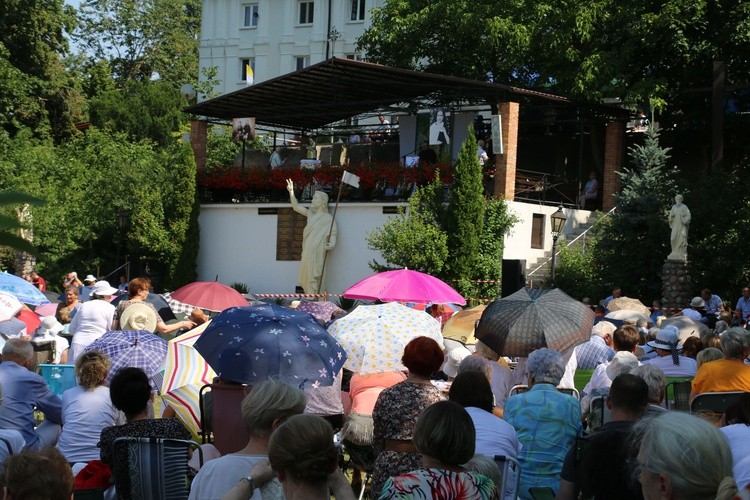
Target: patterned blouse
<point>394,417</point>
<point>439,484</point>
<point>118,460</point>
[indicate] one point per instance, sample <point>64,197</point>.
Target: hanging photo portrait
<point>439,127</point>
<point>243,129</point>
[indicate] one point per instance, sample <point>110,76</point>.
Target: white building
<point>275,37</point>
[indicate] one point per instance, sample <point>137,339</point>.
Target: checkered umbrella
<point>532,318</point>
<point>177,306</point>
<point>137,348</point>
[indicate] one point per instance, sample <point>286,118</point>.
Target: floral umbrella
<point>374,337</point>
<point>249,344</point>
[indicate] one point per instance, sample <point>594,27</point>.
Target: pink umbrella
<point>404,285</point>
<point>46,310</point>
<point>209,295</point>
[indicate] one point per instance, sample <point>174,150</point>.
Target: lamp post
<point>123,216</point>
<point>558,221</point>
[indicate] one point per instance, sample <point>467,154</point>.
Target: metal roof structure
<point>337,89</point>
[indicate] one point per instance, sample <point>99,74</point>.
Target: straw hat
<point>138,316</point>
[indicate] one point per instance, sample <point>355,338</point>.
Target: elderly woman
<point>397,408</point>
<point>546,420</point>
<point>494,435</point>
<point>728,374</point>
<point>130,392</point>
<point>138,290</point>
<point>86,409</point>
<point>444,435</point>
<point>657,387</point>
<point>683,457</point>
<point>93,318</point>
<point>267,405</point>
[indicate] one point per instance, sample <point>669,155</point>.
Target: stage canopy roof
<point>337,89</point>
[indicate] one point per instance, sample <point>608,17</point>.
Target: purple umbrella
<point>137,348</point>
<point>322,311</point>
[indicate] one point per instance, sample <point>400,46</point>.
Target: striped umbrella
<point>185,373</point>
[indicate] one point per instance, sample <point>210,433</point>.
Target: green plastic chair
<point>581,378</point>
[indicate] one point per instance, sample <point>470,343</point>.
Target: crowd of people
<point>459,422</point>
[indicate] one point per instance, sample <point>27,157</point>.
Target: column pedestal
<point>676,286</point>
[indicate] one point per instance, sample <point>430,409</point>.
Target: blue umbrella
<point>137,348</point>
<point>250,344</point>
<point>23,290</point>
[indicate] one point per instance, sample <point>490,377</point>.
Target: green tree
<point>415,239</point>
<point>142,110</point>
<point>634,240</point>
<point>143,38</point>
<point>465,215</point>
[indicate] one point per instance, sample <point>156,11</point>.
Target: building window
<point>244,63</point>
<point>358,10</point>
<point>303,62</point>
<point>306,10</point>
<point>355,57</point>
<point>251,16</point>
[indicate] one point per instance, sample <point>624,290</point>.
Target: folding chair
<point>361,457</point>
<point>510,473</point>
<point>225,423</point>
<point>158,467</point>
<point>599,414</point>
<point>713,402</point>
<point>678,395</point>
<point>518,389</point>
<point>571,391</point>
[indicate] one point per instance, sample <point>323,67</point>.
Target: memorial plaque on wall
<point>289,227</point>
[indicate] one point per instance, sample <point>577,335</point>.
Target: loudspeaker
<point>514,276</point>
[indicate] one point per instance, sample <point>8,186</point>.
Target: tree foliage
<point>86,181</point>
<point>143,38</point>
<point>633,241</point>
<point>465,215</point>
<point>640,51</point>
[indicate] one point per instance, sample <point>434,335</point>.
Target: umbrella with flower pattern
<point>250,344</point>
<point>374,337</point>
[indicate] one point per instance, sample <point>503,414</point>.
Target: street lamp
<point>123,217</point>
<point>558,221</point>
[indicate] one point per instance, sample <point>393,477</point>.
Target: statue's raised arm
<point>293,199</point>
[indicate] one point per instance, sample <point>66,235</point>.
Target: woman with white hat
<point>48,331</point>
<point>667,346</point>
<point>92,319</point>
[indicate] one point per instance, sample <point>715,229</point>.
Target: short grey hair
<point>733,343</point>
<point>18,350</point>
<point>476,363</point>
<point>708,354</point>
<point>655,380</point>
<point>486,351</point>
<point>691,452</point>
<point>270,401</point>
<point>485,466</point>
<point>546,366</point>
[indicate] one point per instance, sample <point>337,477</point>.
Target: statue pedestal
<point>676,286</point>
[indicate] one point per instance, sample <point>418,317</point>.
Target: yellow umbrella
<point>184,374</point>
<point>460,326</point>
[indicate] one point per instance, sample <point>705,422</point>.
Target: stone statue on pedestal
<point>315,239</point>
<point>679,221</point>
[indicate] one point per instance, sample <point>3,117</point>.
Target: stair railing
<point>567,244</point>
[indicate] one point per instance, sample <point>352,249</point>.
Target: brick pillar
<point>198,135</point>
<point>505,164</point>
<point>614,144</point>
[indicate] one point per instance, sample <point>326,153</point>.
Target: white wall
<point>518,241</point>
<point>239,245</point>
